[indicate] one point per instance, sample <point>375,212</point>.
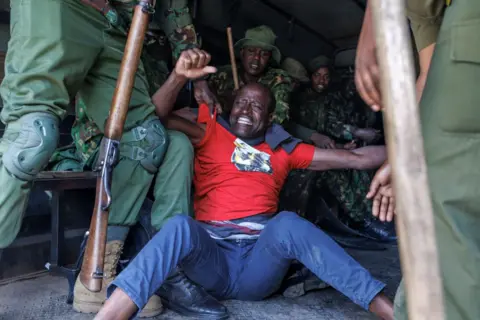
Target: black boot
<point>378,230</point>
<point>184,297</point>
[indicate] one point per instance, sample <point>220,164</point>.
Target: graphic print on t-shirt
<point>247,158</point>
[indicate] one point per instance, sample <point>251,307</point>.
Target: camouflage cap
<point>295,69</point>
<point>319,62</point>
<point>260,37</point>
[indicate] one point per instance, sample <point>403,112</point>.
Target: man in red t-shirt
<point>238,247</point>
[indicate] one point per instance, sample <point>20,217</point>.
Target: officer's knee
<point>146,143</point>
<point>32,140</point>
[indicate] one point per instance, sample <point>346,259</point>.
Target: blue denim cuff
<point>377,287</point>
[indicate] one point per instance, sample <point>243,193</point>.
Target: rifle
<point>91,274</point>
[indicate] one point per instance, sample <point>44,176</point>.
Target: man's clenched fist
<point>193,63</point>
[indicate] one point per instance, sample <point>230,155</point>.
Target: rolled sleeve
<point>425,18</point>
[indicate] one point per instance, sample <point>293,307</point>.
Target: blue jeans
<point>244,269</point>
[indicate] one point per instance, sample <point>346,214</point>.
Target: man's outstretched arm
<point>370,157</point>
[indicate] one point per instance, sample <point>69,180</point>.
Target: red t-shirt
<point>234,180</point>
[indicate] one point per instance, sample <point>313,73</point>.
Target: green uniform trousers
<point>450,115</point>
<point>59,48</point>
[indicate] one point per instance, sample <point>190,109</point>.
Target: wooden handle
<point>415,225</point>
<point>232,58</point>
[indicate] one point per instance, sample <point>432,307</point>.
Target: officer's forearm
<point>165,97</point>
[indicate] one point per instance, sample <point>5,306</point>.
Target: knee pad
<point>33,138</point>
<point>146,143</point>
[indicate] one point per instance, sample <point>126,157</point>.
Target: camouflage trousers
<point>347,187</point>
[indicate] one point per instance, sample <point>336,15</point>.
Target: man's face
<point>255,60</point>
<point>249,116</point>
<point>320,79</point>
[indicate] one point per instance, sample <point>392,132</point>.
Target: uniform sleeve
<point>335,127</point>
<point>218,81</point>
<point>178,26</point>
<point>425,20</point>
<point>282,87</point>
<point>336,118</point>
<point>302,156</point>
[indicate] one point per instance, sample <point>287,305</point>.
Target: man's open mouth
<point>245,121</point>
<point>254,66</point>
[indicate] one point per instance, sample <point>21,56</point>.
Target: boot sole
<point>183,312</point>
<point>149,314</point>
<point>86,307</point>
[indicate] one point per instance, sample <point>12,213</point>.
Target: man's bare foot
<point>382,307</point>
<point>118,307</point>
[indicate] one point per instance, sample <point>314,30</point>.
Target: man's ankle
<point>382,307</point>
<point>118,307</point>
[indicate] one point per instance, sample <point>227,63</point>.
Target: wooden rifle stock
<point>91,274</point>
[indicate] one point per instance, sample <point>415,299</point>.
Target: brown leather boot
<point>85,301</point>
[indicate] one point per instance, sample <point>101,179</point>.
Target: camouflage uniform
<point>279,82</point>
<point>335,116</point>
